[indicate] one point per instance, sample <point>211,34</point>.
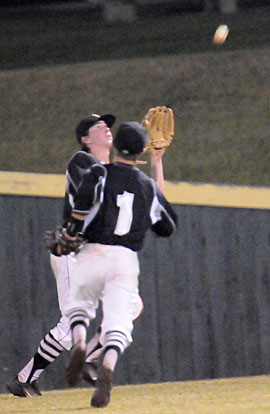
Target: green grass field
<point>250,395</point>
<point>55,71</point>
<point>220,100</point>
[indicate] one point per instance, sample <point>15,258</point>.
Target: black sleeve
<point>164,219</point>
<point>90,190</point>
<point>77,166</point>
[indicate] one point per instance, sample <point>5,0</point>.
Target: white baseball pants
<point>109,273</point>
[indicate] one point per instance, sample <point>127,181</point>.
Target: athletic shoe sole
<point>101,396</point>
<point>20,389</point>
<point>74,370</point>
<point>89,373</point>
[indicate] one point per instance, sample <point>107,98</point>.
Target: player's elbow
<point>165,227</point>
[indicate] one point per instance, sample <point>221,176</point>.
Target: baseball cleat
<point>101,396</point>
<point>34,389</point>
<point>89,373</point>
<point>74,370</point>
<point>23,389</point>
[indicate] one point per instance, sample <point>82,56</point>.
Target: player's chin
<point>105,142</point>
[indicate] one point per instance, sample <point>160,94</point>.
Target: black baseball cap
<point>86,123</point>
<point>131,138</point>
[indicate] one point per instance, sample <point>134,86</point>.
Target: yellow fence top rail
<point>218,195</point>
<point>53,185</point>
<point>31,184</point>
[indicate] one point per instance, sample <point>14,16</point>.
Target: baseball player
<point>94,135</point>
<point>116,204</point>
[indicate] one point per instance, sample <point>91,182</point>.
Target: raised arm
<point>157,171</point>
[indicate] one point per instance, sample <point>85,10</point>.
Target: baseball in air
<point>221,34</point>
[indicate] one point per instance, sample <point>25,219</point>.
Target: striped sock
<point>111,356</point>
<point>49,349</point>
<point>115,339</point>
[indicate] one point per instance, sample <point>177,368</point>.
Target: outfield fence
<point>206,290</point>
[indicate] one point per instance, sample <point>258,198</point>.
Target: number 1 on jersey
<point>125,216</point>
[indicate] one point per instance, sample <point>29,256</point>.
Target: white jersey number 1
<point>125,215</point>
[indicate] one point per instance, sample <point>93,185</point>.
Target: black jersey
<point>79,163</point>
<point>120,203</point>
